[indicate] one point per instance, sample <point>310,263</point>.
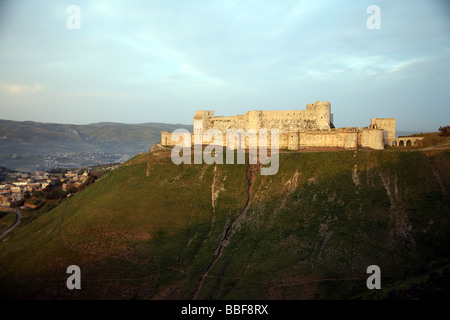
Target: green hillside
<point>154,230</point>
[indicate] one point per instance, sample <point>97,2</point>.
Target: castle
<point>298,129</point>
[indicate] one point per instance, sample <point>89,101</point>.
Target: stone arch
<point>394,143</point>
<point>408,143</point>
<point>401,143</point>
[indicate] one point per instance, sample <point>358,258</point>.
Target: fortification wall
<point>372,138</point>
<point>166,139</point>
<point>285,121</point>
<point>346,138</point>
<point>288,121</point>
<point>298,129</point>
<point>317,116</point>
<point>201,120</point>
<point>283,141</point>
<point>224,123</point>
<point>342,138</point>
<point>388,126</point>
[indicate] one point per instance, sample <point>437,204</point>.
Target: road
<point>11,227</point>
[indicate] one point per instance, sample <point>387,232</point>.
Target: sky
<point>160,61</point>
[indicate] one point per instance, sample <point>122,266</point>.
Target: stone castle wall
<point>298,129</point>
<point>372,138</point>
<point>388,126</point>
<point>341,138</point>
<point>224,123</point>
<point>345,138</point>
<point>316,116</point>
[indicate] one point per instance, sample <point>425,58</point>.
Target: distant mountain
<point>4,172</point>
<point>28,145</point>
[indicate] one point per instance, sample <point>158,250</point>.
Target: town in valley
<point>22,189</point>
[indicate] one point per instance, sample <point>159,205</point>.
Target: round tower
<point>323,114</point>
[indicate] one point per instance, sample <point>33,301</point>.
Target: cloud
<point>406,64</point>
<point>189,69</point>
<point>23,89</point>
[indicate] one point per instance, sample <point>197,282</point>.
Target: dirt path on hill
<point>442,146</point>
<point>11,227</point>
<point>250,173</point>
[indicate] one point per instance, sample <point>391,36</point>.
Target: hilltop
<point>28,145</point>
<point>154,230</point>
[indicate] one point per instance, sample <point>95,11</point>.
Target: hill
<point>154,230</point>
<point>28,146</point>
<point>4,172</point>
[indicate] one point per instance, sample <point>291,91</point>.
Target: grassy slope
<point>433,139</point>
<point>310,232</point>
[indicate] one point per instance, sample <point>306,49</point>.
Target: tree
<point>72,190</point>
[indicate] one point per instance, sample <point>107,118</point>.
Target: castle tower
<point>323,114</point>
<point>201,121</point>
<point>254,120</point>
<point>388,126</point>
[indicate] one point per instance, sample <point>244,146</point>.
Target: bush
<point>33,201</point>
<point>444,131</point>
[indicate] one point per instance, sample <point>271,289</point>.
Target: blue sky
<point>160,61</point>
